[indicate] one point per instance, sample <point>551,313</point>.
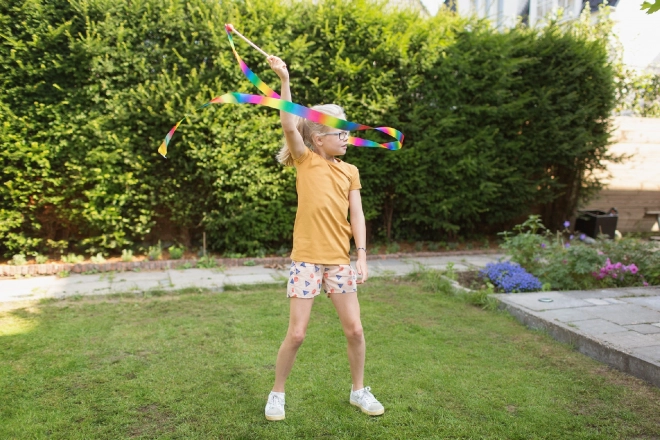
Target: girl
<point>327,190</point>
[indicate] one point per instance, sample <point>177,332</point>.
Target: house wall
<point>634,185</point>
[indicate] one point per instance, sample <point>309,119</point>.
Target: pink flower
<point>633,269</point>
<point>646,284</point>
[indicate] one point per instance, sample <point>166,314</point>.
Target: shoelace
<point>367,397</point>
<point>275,401</point>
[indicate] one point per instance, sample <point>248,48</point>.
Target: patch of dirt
<point>470,279</point>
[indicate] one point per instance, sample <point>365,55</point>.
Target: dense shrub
<point>495,123</point>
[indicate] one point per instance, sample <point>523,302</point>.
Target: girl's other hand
<point>279,67</point>
<point>361,267</point>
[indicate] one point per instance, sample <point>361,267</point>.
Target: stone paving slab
<point>626,314</point>
<point>615,326</point>
<point>646,329</point>
<point>559,301</point>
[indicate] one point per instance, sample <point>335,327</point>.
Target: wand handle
<point>246,40</point>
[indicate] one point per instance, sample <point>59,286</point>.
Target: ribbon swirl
<point>272,100</point>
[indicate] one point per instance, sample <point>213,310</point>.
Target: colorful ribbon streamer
<point>272,100</point>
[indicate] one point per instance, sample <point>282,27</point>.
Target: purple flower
<point>543,245</point>
<point>646,284</point>
<point>571,237</point>
<point>567,224</point>
<point>582,237</point>
<point>567,245</point>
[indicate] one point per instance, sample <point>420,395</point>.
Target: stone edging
<point>7,270</point>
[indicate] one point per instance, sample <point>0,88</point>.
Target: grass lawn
<point>200,365</point>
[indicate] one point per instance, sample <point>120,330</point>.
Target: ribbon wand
<point>233,29</point>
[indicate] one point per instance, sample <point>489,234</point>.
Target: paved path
<point>30,289</point>
<point>620,327</point>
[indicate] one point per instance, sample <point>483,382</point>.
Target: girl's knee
<point>296,338</point>
<point>354,333</point>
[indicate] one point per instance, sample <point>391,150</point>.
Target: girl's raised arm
<point>293,138</point>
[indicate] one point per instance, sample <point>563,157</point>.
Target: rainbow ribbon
<point>272,100</point>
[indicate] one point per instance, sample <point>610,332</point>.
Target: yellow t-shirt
<point>322,233</point>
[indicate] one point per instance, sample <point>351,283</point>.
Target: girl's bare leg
<point>299,312</point>
<point>348,309</point>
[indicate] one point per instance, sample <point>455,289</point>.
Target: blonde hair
<point>307,129</point>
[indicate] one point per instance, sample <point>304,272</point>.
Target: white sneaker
<point>366,401</point>
<point>275,406</point>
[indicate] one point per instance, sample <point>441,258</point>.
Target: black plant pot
<point>595,223</point>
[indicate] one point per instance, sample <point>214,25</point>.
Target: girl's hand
<point>361,267</point>
<point>279,67</point>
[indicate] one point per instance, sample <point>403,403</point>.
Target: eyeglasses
<point>342,135</point>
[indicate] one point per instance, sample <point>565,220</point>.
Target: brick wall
<point>634,185</point>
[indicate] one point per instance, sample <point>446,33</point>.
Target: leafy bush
<point>40,259</point>
<point>495,122</point>
<point>176,252</point>
<point>98,258</point>
<point>510,277</point>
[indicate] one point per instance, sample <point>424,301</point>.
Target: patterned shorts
<point>307,279</point>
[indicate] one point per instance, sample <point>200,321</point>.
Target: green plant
<point>98,258</point>
<point>392,247</point>
<point>63,274</point>
<point>651,7</point>
<point>450,272</point>
<point>18,260</point>
<point>126,255</point>
<point>155,252</point>
<point>526,244</point>
<point>207,262</point>
<point>73,258</point>
<point>434,246</point>
<point>419,246</point>
<point>249,263</point>
<point>176,252</point>
<point>40,259</point>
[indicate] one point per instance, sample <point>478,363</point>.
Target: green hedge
<point>496,124</point>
